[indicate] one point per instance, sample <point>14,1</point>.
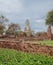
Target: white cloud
<point>39,20</point>
<point>10,6</point>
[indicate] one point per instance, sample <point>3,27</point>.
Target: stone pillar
<point>49,32</point>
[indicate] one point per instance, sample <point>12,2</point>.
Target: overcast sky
<point>19,10</point>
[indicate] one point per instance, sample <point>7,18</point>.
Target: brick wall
<point>27,47</point>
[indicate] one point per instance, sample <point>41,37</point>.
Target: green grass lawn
<point>50,42</point>
<point>12,57</point>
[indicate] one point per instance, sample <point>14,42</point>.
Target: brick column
<point>49,32</point>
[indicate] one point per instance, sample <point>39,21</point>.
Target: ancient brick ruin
<point>11,42</point>
<point>27,26</point>
<point>49,33</point>
<point>28,47</point>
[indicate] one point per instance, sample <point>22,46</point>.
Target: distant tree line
<point>15,29</point>
<point>12,28</point>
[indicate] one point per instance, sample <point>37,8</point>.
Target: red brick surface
<point>27,47</point>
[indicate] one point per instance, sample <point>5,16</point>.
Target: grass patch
<point>50,42</point>
<point>12,57</point>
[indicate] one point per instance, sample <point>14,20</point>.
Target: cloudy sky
<point>19,10</point>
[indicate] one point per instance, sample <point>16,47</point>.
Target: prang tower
<point>27,26</point>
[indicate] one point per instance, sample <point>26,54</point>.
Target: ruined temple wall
<point>28,47</point>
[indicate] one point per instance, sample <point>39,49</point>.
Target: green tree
<point>49,18</point>
<point>2,28</point>
<point>3,20</point>
<point>13,28</point>
<point>49,22</point>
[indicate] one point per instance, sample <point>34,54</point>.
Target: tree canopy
<point>3,20</point>
<point>13,28</point>
<point>49,18</point>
